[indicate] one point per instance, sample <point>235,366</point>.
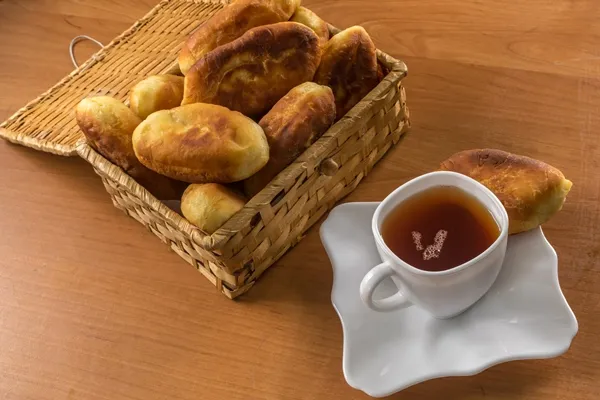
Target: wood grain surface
<point>92,306</point>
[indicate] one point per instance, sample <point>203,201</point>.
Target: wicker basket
<point>235,255</point>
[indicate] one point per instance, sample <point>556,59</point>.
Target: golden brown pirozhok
<point>253,72</point>
<point>530,190</point>
<point>108,125</point>
<point>306,17</point>
<point>210,205</point>
<point>201,143</point>
<point>155,93</point>
<point>230,23</point>
<point>292,125</point>
<point>349,67</point>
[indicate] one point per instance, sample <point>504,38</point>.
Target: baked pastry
<point>210,205</point>
<point>306,17</point>
<point>530,190</point>
<point>253,72</point>
<point>155,93</point>
<point>201,143</point>
<point>292,125</point>
<point>349,67</point>
<point>108,125</point>
<point>232,22</point>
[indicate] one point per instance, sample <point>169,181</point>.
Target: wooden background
<point>92,306</point>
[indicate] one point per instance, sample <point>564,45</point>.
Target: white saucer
<point>523,316</point>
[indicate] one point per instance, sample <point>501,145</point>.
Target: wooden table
<point>92,306</point>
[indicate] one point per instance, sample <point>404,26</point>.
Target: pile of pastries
<point>262,82</point>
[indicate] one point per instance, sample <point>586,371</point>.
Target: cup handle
<point>371,280</point>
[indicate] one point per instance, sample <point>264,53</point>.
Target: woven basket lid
<point>149,47</point>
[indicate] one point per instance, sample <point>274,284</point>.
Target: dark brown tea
<point>439,229</point>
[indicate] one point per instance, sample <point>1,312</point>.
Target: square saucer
<point>523,316</point>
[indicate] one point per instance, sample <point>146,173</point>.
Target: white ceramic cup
<point>443,294</point>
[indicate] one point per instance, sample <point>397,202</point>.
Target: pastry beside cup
<point>530,190</point>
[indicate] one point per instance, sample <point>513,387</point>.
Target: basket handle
<point>328,167</point>
<point>76,40</point>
